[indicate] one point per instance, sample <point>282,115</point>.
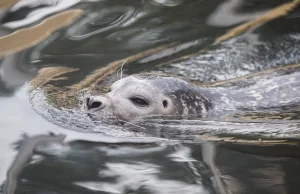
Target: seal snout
<point>93,103</point>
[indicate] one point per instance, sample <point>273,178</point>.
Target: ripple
<point>168,3</point>
<point>100,21</point>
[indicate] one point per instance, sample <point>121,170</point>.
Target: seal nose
<point>93,103</point>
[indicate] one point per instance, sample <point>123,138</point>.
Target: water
<point>77,45</point>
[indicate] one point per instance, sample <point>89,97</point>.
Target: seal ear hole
<point>165,103</point>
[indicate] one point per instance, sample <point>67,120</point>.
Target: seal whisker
<point>122,68</point>
<point>118,74</point>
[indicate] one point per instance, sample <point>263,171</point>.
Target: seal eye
<point>165,103</point>
<point>139,102</point>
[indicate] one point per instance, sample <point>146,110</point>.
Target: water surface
<point>202,41</point>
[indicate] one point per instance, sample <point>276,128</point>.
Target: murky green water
<point>255,152</point>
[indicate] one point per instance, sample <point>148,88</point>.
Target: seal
<point>143,95</point>
<point>138,96</point>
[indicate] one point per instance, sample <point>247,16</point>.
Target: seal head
<point>138,96</point>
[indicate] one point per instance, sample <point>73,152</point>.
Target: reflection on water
<point>24,13</point>
<point>88,167</point>
<point>54,52</point>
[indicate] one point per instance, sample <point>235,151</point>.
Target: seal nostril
<point>92,103</point>
<point>95,104</point>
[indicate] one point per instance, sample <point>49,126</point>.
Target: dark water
<point>252,153</point>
